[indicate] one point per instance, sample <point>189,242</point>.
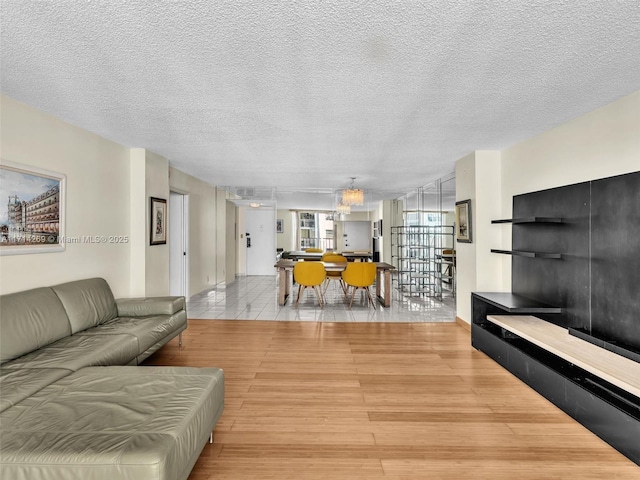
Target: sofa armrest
<point>141,307</point>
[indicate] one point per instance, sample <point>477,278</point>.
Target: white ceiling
<point>304,95</point>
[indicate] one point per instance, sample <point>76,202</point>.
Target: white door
<point>260,241</point>
<point>178,244</point>
<point>357,236</point>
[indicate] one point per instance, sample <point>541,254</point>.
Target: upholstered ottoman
<point>113,423</point>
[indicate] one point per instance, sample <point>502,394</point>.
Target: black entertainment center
<point>575,265</point>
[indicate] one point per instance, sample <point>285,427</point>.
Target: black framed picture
<point>463,221</point>
<point>158,220</point>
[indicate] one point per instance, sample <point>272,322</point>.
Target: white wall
<point>97,202</point>
<point>355,236</point>
<point>602,143</point>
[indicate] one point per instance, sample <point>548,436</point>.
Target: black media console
<point>606,409</point>
<point>575,266</point>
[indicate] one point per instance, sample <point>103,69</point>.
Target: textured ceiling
<point>304,95</point>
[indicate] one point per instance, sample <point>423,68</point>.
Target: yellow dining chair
<point>333,275</point>
<point>309,274</point>
<point>313,250</point>
<point>360,276</point>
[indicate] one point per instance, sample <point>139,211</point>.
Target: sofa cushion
<point>19,383</point>
<point>30,320</point>
<point>78,351</point>
<point>113,422</point>
<point>88,302</point>
<point>148,330</point>
<point>142,307</point>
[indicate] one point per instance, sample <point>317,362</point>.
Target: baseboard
<point>463,324</point>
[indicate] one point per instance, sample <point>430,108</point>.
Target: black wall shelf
<point>521,253</point>
<point>529,220</point>
<point>512,303</point>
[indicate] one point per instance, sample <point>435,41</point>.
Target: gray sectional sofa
<point>75,404</point>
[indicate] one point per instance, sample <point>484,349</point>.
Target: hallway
<point>255,298</point>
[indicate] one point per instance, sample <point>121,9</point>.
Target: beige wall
<point>466,252</point>
<point>156,256</point>
<point>203,229</point>
<point>221,235</point>
<point>149,265</point>
<point>241,242</point>
<point>137,224</point>
<point>108,190</point>
<point>97,199</point>
<point>391,217</point>
<point>286,240</point>
<point>602,143</point>
<point>230,242</point>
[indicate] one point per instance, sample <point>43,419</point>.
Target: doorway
<point>178,241</point>
<point>260,230</point>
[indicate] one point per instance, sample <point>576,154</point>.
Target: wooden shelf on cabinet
<point>522,253</point>
<point>529,220</point>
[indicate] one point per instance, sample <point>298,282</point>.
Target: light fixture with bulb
<point>352,195</point>
<point>343,209</point>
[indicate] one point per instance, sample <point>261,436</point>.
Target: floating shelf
<point>529,220</point>
<point>521,253</point>
<point>514,303</point>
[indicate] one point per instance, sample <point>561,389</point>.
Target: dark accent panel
<point>565,281</point>
<point>615,266</point>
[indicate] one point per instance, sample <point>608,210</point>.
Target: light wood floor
<point>369,400</point>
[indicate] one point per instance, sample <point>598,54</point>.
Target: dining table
<point>350,256</point>
<point>284,268</point>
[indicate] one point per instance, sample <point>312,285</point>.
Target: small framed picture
<point>463,221</point>
<point>279,225</point>
<point>158,220</point>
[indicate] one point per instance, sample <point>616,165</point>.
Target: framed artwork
<point>33,219</point>
<point>463,221</point>
<point>158,219</point>
<point>279,225</point>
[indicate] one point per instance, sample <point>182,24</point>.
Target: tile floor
<point>255,298</point>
